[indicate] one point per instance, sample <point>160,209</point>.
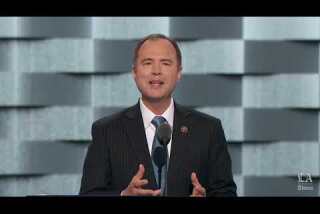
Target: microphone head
<point>163,133</point>
<point>159,156</point>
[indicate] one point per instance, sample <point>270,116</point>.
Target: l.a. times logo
<point>305,182</point>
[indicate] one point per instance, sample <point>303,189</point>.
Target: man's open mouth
<point>156,82</point>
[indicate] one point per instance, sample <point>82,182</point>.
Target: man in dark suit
<point>119,161</point>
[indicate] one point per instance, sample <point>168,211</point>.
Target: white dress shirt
<point>148,115</point>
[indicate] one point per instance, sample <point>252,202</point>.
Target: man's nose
<point>156,69</point>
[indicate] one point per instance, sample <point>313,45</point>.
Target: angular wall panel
<point>55,55</point>
<point>44,27</point>
<point>294,90</point>
<point>280,124</point>
<point>232,120</point>
<point>68,184</point>
<point>8,27</point>
<point>41,157</point>
<point>100,112</point>
<point>280,28</point>
<point>12,155</point>
<point>114,90</point>
<point>128,27</point>
<point>209,90</point>
<point>8,54</point>
<point>114,56</point>
<point>9,84</point>
<point>54,89</point>
<point>206,27</point>
<point>281,57</point>
<point>213,56</point>
<point>8,124</point>
<point>280,158</point>
<point>54,123</point>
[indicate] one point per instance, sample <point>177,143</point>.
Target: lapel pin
<point>184,130</point>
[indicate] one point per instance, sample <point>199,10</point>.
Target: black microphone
<point>163,133</point>
<point>160,159</point>
<point>159,156</point>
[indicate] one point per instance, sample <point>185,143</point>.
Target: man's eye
<point>147,63</point>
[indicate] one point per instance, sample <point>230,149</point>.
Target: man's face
<point>156,71</point>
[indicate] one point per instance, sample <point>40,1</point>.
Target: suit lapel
<point>137,138</point>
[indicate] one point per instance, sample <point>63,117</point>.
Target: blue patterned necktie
<point>157,121</point>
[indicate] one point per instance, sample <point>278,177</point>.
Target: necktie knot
<point>158,120</point>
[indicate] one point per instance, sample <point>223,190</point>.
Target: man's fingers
<point>156,192</point>
<point>140,183</point>
<point>140,172</point>
<point>198,190</point>
<point>148,192</point>
<point>194,179</point>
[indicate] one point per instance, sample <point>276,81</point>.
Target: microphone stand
<point>159,176</point>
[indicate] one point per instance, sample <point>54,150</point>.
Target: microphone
<point>159,156</point>
<point>160,159</point>
<point>163,133</point>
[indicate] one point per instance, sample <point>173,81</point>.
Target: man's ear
<point>179,73</point>
<point>133,71</point>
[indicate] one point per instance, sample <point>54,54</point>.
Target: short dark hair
<point>156,37</point>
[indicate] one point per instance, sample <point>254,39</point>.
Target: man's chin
<point>155,99</point>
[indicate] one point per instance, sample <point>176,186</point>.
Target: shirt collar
<point>148,115</point>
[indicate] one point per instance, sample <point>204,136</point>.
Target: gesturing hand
<point>198,190</point>
<point>135,186</point>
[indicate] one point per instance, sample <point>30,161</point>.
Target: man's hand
<point>198,190</point>
<point>135,186</point>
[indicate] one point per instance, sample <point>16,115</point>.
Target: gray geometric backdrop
<point>259,75</point>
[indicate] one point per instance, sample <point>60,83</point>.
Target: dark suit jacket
<point>120,145</point>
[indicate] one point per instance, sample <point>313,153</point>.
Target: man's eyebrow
<point>146,59</point>
<point>162,60</point>
<point>166,60</point>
